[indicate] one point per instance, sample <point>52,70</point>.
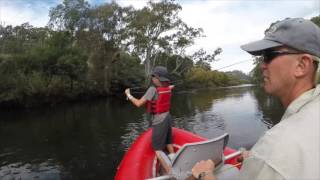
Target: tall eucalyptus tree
<point>157,28</point>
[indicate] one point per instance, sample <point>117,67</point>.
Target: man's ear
<point>304,65</point>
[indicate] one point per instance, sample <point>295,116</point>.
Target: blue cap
<point>161,72</point>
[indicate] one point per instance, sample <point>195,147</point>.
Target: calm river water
<point>88,140</point>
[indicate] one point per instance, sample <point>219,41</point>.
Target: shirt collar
<point>303,99</point>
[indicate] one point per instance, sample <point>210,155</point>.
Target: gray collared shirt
<point>290,149</point>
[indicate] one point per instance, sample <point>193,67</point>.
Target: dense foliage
<point>96,51</point>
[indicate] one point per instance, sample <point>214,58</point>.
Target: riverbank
<point>35,101</point>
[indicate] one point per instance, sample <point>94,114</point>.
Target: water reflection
<point>270,107</point>
<point>30,171</point>
<point>88,140</point>
<point>210,113</point>
<point>243,112</point>
<point>133,130</point>
<point>78,142</point>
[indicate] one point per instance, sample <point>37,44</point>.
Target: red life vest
<point>162,103</point>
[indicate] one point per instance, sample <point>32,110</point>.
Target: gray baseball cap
<point>297,33</point>
<point>161,72</point>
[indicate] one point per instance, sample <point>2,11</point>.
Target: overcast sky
<point>226,23</point>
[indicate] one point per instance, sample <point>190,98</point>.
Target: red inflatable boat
<point>140,162</point>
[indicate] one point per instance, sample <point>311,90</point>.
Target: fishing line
<point>175,82</point>
<point>233,64</point>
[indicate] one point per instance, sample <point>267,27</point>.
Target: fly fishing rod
<point>233,64</point>
<point>181,80</point>
<point>177,82</point>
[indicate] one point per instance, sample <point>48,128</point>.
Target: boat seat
<point>191,153</point>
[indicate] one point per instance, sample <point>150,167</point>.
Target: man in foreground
<point>291,149</point>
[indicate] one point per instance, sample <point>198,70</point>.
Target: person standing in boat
<point>290,54</point>
<point>157,100</point>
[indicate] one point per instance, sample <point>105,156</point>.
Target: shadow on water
<point>88,140</point>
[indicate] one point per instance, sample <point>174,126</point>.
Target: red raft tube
<point>140,162</point>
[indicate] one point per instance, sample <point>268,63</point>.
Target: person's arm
<point>135,101</point>
<point>203,170</point>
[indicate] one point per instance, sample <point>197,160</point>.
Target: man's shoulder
<point>257,168</point>
<point>312,107</point>
<point>289,135</point>
<point>307,117</point>
<point>292,142</point>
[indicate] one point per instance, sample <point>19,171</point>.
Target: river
<point>87,140</point>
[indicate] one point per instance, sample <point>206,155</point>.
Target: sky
<point>226,23</point>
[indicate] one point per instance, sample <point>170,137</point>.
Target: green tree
<point>239,77</point>
<point>177,65</point>
<point>127,72</point>
<point>203,59</point>
<point>256,73</point>
<point>97,31</point>
<point>71,15</point>
<point>157,28</point>
<point>316,20</point>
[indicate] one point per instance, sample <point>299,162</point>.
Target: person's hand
<point>127,91</point>
<point>171,86</point>
<point>244,154</point>
<point>203,166</point>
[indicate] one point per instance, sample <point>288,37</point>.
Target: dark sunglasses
<point>268,56</point>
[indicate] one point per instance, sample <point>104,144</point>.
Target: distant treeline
<point>87,52</point>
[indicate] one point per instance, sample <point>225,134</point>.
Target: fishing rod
<point>181,80</point>
<point>176,82</point>
<point>233,64</point>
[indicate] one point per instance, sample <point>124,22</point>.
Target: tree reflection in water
<point>88,140</point>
